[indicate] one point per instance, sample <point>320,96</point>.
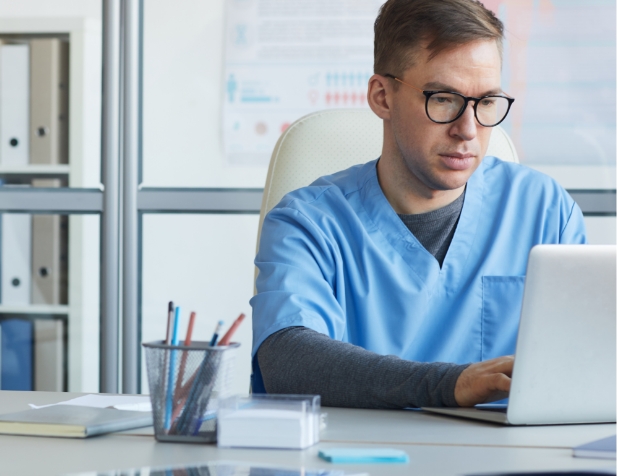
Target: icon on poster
<point>261,128</point>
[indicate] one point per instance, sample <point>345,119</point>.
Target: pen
<point>170,376</point>
<point>187,389</point>
<point>170,322</point>
<point>215,336</point>
<point>225,340</point>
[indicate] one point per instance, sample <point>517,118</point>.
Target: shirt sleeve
<point>296,285</point>
<point>298,360</point>
<point>574,232</point>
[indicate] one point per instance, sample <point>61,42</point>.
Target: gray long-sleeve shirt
<point>302,361</point>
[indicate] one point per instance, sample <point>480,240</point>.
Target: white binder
<point>16,258</point>
<point>49,250</point>
<point>48,101</point>
<point>48,355</point>
<point>14,104</point>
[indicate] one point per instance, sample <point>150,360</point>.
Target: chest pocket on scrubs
<point>502,299</point>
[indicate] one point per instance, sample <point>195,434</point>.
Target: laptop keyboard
<point>492,409</point>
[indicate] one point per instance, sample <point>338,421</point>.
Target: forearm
<point>301,361</point>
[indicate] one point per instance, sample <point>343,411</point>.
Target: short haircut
<point>403,25</point>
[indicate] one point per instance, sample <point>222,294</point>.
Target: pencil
<point>225,340</point>
<point>190,329</point>
<point>181,373</point>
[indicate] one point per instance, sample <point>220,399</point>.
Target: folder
<point>49,355</point>
<point>49,254</point>
<point>16,370</point>
<point>14,104</point>
<point>15,259</point>
<point>48,101</point>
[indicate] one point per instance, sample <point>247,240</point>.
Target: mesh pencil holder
<point>186,384</point>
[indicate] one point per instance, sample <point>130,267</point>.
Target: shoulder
<point>328,193</point>
<point>521,180</point>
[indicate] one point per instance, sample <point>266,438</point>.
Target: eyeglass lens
<point>444,107</point>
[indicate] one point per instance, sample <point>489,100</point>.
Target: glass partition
<point>203,263</point>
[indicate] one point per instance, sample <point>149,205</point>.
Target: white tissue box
<point>269,421</point>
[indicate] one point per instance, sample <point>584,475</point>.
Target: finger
<point>500,382</point>
<point>496,396</point>
<point>504,365</point>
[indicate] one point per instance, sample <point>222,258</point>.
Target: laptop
<point>565,357</point>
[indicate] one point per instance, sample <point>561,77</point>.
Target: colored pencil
<point>225,340</point>
<point>181,373</point>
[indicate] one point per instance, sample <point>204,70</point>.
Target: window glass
<point>203,263</point>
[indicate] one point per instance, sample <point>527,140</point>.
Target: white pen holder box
<point>269,421</point>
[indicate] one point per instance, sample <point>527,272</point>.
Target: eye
<point>487,102</point>
<point>443,99</point>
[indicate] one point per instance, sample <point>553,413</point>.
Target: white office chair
<point>325,142</point>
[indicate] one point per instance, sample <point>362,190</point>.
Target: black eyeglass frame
<point>466,99</point>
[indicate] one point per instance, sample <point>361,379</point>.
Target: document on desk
<point>138,403</point>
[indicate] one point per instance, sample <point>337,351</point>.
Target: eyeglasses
<point>444,107</point>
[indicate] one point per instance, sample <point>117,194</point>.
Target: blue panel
<point>17,355</point>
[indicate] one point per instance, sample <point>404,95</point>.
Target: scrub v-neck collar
<point>425,267</point>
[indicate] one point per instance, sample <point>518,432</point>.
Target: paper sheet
<point>121,402</point>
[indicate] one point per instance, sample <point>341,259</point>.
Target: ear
<point>379,94</point>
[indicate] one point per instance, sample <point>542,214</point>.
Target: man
<point>399,282</point>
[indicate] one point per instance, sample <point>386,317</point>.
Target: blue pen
<point>215,336</point>
<point>170,376</point>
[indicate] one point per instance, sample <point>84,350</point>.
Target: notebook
<point>72,421</point>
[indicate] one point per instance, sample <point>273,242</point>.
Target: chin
<point>446,182</point>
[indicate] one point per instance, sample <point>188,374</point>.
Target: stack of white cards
<point>269,421</point>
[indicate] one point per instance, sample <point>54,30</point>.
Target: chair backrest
<point>325,142</point>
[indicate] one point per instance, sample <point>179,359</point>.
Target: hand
<point>484,382</point>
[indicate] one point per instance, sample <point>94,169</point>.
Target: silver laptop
<point>565,358</point>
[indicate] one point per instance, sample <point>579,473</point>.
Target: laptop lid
<point>565,358</point>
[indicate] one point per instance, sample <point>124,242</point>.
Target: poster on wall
<point>287,58</point>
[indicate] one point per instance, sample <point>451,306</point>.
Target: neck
<point>405,192</point>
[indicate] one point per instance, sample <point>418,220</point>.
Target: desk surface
<point>436,445</point>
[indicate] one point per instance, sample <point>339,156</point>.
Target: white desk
<point>436,445</point>
<point>413,427</point>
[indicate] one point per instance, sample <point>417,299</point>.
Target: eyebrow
<point>436,85</point>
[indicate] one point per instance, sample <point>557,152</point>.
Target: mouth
<point>457,160</point>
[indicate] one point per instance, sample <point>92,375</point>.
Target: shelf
<point>35,171</point>
<point>34,309</point>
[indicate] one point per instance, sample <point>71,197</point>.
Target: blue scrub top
<point>336,258</point>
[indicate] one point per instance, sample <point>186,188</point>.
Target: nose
<point>465,126</point>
